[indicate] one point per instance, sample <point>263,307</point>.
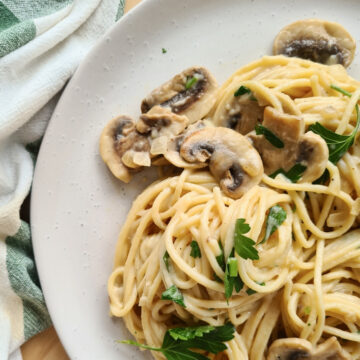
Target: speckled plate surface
<point>77,206</point>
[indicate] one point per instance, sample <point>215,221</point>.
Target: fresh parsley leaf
<point>238,283</point>
<point>294,174</point>
<point>252,291</point>
<point>339,89</point>
<point>269,136</point>
<point>244,246</point>
<point>190,82</point>
<point>163,50</point>
<point>216,278</point>
<point>221,258</point>
<point>276,217</point>
<point>195,249</point>
<point>166,259</point>
<point>307,310</point>
<point>323,178</point>
<point>242,90</point>
<point>174,294</point>
<point>178,342</point>
<point>190,333</point>
<point>338,144</point>
<point>233,266</point>
<point>232,278</point>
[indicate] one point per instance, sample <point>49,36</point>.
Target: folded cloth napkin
<point>41,44</point>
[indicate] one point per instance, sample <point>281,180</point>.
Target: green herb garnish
<point>244,246</point>
<point>174,294</point>
<point>166,259</point>
<point>323,178</point>
<point>221,258</point>
<point>338,144</point>
<point>307,310</point>
<point>190,82</point>
<point>252,291</point>
<point>276,217</point>
<point>269,136</point>
<point>163,50</point>
<point>195,249</point>
<point>340,90</point>
<point>232,278</point>
<point>242,90</point>
<point>294,174</point>
<point>178,342</point>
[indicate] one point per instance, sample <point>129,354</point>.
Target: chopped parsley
<point>163,50</point>
<point>190,82</point>
<point>221,258</point>
<point>232,278</point>
<point>338,144</point>
<point>242,90</point>
<point>252,291</point>
<point>276,217</point>
<point>166,259</point>
<point>195,249</point>
<point>307,310</point>
<point>178,342</point>
<point>174,294</point>
<point>244,246</point>
<point>294,174</point>
<point>269,136</point>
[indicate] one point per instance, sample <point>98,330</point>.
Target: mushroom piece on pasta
<point>295,348</point>
<point>317,40</point>
<point>191,93</point>
<point>234,163</point>
<point>239,112</point>
<point>161,125</point>
<point>123,149</point>
<point>307,149</point>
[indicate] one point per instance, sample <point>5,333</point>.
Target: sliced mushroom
<point>317,40</point>
<point>122,148</point>
<point>191,93</point>
<point>235,164</point>
<point>298,349</point>
<point>172,153</point>
<point>240,113</point>
<point>161,125</point>
<point>309,149</point>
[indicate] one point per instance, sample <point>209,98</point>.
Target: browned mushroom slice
<point>298,349</point>
<point>191,93</point>
<point>309,149</point>
<point>235,164</point>
<point>317,40</point>
<point>240,113</point>
<point>161,125</point>
<point>122,148</point>
<point>172,153</point>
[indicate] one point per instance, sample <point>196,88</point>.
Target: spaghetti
<point>306,282</point>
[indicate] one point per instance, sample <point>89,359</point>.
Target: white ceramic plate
<point>77,206</point>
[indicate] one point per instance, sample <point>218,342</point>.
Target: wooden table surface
<point>46,345</point>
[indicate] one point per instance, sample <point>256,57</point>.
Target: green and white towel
<point>41,44</point>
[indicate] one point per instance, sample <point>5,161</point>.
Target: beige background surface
<point>46,345</point>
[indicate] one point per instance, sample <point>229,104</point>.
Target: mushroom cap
<point>317,40</point>
<point>161,125</point>
<point>296,348</point>
<point>172,152</point>
<point>240,113</point>
<point>235,164</point>
<point>309,149</point>
<point>123,148</point>
<point>194,101</point>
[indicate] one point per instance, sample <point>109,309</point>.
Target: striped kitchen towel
<point>41,44</point>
